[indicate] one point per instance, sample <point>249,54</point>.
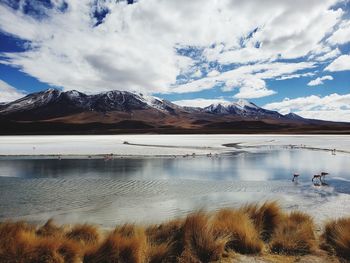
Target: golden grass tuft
<point>165,241</point>
<point>159,253</point>
<point>294,235</point>
<point>336,237</point>
<point>200,237</point>
<point>239,229</point>
<point>120,246</point>
<point>85,234</point>
<point>200,242</point>
<point>265,217</point>
<point>49,229</point>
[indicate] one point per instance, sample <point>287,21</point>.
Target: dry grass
<point>85,234</point>
<point>266,217</point>
<point>119,246</point>
<point>201,243</point>
<point>294,235</point>
<point>239,229</point>
<point>20,242</point>
<point>50,229</point>
<point>336,237</point>
<point>198,238</point>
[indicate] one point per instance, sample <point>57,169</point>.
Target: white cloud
<point>9,93</point>
<point>333,107</point>
<point>296,76</point>
<point>135,46</point>
<point>199,102</point>
<point>213,73</point>
<point>342,63</point>
<point>248,79</point>
<point>342,35</point>
<point>329,55</point>
<point>319,80</point>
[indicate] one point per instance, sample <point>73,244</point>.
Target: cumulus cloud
<point>333,107</point>
<point>342,63</point>
<point>136,47</point>
<point>342,35</point>
<point>319,80</point>
<point>9,93</point>
<point>248,79</point>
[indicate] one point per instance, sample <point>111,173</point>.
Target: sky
<point>283,55</point>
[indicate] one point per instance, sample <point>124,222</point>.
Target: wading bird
<point>295,177</point>
<point>317,177</point>
<point>323,175</point>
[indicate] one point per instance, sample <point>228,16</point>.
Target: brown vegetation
<point>294,235</point>
<point>261,230</point>
<point>336,237</point>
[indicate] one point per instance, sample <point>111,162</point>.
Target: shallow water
<point>261,165</point>
<point>155,189</point>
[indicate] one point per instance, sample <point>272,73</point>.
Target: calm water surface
<point>119,190</point>
<point>248,166</point>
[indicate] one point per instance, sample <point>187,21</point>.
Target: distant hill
<point>72,112</point>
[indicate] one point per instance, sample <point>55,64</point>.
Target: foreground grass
<point>255,231</point>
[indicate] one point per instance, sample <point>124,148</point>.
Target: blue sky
<point>289,56</point>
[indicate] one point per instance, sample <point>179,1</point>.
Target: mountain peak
<point>244,103</point>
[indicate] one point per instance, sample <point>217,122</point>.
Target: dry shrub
<point>294,235</point>
<point>85,234</point>
<point>200,242</point>
<point>265,217</point>
<point>120,246</point>
<point>240,230</point>
<point>336,236</point>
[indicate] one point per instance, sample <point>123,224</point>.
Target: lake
<point>119,189</point>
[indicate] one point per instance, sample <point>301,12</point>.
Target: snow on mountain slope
<point>53,103</point>
<point>31,101</point>
<point>242,108</point>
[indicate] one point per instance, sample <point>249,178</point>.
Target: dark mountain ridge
<point>53,111</point>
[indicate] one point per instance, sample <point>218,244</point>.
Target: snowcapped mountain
<point>54,111</point>
<point>55,103</point>
<point>242,108</point>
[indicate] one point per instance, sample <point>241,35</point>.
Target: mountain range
<point>56,112</point>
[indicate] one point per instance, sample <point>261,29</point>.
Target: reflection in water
<point>119,190</point>
<point>258,166</point>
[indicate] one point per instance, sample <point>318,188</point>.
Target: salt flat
<point>151,145</point>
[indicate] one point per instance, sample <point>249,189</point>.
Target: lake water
<point>153,189</point>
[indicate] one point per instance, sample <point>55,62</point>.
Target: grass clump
<point>336,237</point>
<point>49,229</point>
<point>239,230</point>
<point>19,242</point>
<point>294,235</point>
<point>126,245</point>
<point>200,237</point>
<point>266,217</point>
<point>201,243</point>
<point>85,234</point>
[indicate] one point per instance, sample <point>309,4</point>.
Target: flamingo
<point>316,176</point>
<point>295,177</point>
<point>323,174</point>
